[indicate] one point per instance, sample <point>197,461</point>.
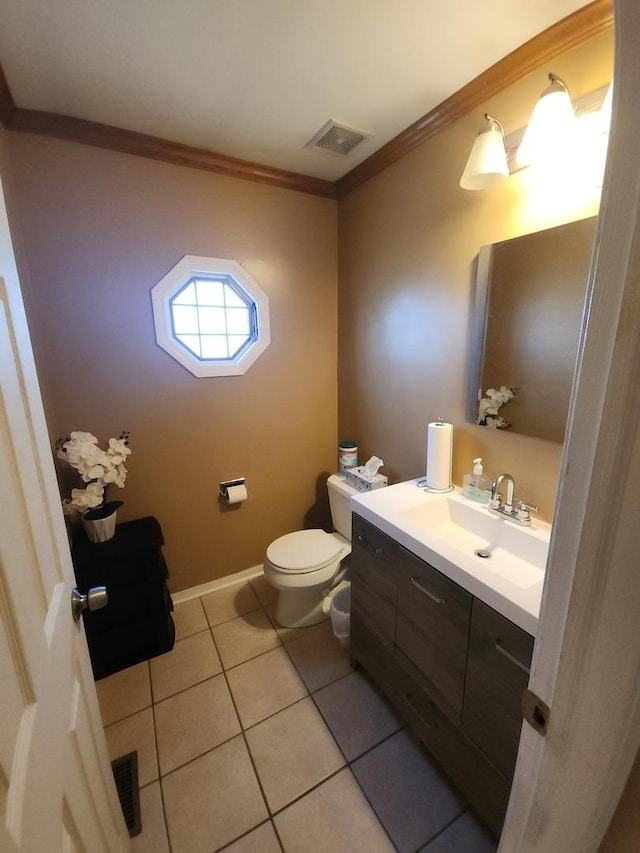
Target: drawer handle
<point>511,658</point>
<point>426,592</point>
<point>362,540</point>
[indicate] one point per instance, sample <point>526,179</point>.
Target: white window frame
<point>191,267</point>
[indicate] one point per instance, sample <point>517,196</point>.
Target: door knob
<point>95,599</point>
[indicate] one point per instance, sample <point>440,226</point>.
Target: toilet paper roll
<point>439,455</point>
<point>236,494</point>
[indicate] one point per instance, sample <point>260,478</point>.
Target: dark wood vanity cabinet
<point>454,668</point>
<point>136,624</point>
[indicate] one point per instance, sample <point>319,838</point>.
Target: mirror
<point>530,295</point>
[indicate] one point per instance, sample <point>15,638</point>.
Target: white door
<point>56,787</point>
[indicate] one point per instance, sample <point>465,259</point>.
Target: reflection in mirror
<point>530,295</point>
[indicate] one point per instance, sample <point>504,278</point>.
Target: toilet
<point>303,566</point>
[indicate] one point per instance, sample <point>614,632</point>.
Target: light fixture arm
<point>494,121</point>
<point>556,84</point>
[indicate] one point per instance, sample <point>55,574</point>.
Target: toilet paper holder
<point>224,487</point>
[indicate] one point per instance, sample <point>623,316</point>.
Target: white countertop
<point>510,585</point>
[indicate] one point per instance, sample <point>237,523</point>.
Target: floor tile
<point>358,716</point>
<point>334,817</point>
<point>153,838</point>
<point>319,657</point>
<point>213,800</point>
<point>245,637</point>
<point>261,840</point>
<point>135,733</point>
<point>227,603</point>
<point>189,618</point>
<point>293,751</point>
<point>192,660</point>
<point>464,835</point>
<point>266,593</point>
<point>194,721</point>
<point>124,692</point>
<point>264,685</point>
<point>409,794</point>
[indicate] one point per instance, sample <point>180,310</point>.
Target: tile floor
<point>253,738</point>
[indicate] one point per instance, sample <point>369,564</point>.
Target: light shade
<point>550,130</point>
<point>605,109</point>
<point>487,164</point>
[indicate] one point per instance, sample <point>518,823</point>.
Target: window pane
<point>185,320</point>
<point>210,292</point>
<point>234,300</point>
<point>191,342</point>
<point>187,296</point>
<point>236,342</point>
<point>238,321</point>
<point>212,321</point>
<point>214,346</point>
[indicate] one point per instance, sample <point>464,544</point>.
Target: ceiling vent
<point>336,138</point>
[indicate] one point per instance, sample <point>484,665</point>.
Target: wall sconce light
<point>605,109</point>
<point>551,126</point>
<point>487,164</point>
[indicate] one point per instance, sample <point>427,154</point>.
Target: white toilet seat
<point>304,551</point>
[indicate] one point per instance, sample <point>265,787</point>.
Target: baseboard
<point>215,585</point>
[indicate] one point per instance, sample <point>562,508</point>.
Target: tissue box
<point>357,482</point>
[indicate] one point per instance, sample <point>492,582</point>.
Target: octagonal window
<point>211,316</point>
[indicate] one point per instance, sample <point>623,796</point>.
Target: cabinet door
<point>373,581</point>
<point>497,675</point>
<point>433,631</point>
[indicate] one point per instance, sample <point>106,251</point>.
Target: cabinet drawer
<point>465,765</point>
<point>432,631</point>
<point>497,675</point>
<point>373,578</point>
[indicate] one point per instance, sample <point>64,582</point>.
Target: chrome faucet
<point>496,497</point>
<point>520,515</point>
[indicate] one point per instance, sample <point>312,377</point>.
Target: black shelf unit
<point>136,624</point>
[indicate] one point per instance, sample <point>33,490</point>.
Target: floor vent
<point>336,138</point>
<point>125,772</point>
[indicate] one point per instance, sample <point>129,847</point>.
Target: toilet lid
<point>303,551</point>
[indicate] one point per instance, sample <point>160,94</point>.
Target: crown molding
<point>570,32</point>
<point>142,145</point>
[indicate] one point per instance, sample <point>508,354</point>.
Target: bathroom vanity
<point>454,666</point>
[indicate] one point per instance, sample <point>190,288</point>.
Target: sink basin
<point>498,561</point>
<point>503,547</point>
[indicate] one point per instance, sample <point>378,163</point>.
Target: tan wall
<point>408,240</point>
<point>99,230</point>
<point>624,829</point>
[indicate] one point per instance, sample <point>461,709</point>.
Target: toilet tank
<point>339,495</point>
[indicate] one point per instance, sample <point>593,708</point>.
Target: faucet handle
<point>496,501</point>
<point>522,513</point>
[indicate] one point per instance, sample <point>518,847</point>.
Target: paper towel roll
<point>439,455</point>
<point>236,494</point>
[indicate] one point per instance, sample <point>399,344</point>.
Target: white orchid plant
<point>489,407</point>
<point>98,468</point>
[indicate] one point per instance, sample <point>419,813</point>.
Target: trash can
<point>340,613</point>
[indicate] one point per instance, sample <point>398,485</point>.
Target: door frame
<point>586,663</point>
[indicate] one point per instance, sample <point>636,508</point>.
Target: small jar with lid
<point>348,456</point>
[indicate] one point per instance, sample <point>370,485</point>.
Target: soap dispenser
<point>477,486</point>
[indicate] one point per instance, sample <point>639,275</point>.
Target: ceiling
<point>255,79</point>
